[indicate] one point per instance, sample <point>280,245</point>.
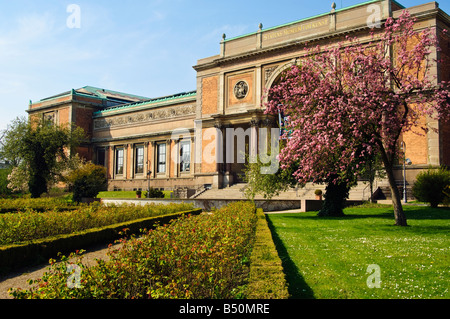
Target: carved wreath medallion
<point>241,89</point>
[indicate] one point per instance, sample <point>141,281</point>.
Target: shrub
<point>155,193</point>
<point>4,190</point>
<point>42,204</point>
<point>430,186</point>
<point>204,256</point>
<point>87,181</point>
<point>31,253</point>
<point>18,179</point>
<point>447,196</point>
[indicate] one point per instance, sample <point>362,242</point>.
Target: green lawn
<point>127,194</point>
<point>329,257</point>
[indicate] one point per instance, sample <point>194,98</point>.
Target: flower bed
<point>31,225</point>
<point>204,256</point>
<point>40,250</point>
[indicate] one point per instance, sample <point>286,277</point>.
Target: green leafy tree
<point>39,147</point>
<point>87,181</point>
<point>4,190</point>
<point>267,185</point>
<point>11,139</point>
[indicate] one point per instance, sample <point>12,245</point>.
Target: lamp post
<point>406,161</point>
<point>149,172</point>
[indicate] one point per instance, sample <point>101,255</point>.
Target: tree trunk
<point>399,214</point>
<point>335,196</point>
<point>400,218</point>
<point>37,185</point>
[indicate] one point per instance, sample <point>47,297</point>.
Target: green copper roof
<point>147,102</point>
<point>103,93</point>
<point>97,93</point>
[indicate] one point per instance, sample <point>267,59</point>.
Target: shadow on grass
<point>297,287</point>
<point>413,213</point>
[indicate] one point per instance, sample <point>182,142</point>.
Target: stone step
<point>359,192</point>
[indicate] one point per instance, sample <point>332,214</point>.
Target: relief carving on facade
<point>268,72</point>
<point>241,89</point>
<point>160,114</point>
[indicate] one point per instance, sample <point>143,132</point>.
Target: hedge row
<point>205,256</point>
<point>36,251</point>
<point>266,278</point>
<point>31,225</point>
<point>8,205</point>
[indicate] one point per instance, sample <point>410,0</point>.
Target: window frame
<point>161,166</point>
<point>137,156</point>
<point>185,169</point>
<point>119,150</point>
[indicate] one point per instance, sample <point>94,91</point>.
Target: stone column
<point>168,157</point>
<point>125,161</point>
<point>107,162</point>
<point>219,147</point>
<point>253,147</point>
<point>132,156</point>
<point>154,163</point>
<point>176,158</point>
<point>218,179</point>
<point>228,175</point>
<point>145,158</point>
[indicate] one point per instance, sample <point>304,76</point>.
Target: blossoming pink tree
<point>350,101</point>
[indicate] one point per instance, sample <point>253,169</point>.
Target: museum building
<point>178,141</point>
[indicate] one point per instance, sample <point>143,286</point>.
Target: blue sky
<point>145,48</point>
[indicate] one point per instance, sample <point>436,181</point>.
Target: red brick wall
<point>83,119</point>
<point>444,75</point>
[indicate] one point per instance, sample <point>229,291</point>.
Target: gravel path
<point>19,278</point>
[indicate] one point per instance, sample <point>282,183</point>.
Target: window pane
<point>139,161</point>
<point>161,155</point>
<point>119,161</point>
<point>185,156</point>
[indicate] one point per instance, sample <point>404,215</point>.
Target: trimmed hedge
<point>227,254</point>
<point>30,225</point>
<point>266,278</point>
<point>36,251</point>
<point>194,257</point>
<point>8,205</point>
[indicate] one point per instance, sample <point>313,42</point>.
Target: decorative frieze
<point>142,117</point>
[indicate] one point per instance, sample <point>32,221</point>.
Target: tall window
<point>161,158</point>
<point>101,156</point>
<point>119,161</point>
<point>185,156</point>
<point>139,160</point>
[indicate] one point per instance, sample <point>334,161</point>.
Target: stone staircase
<point>236,191</point>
